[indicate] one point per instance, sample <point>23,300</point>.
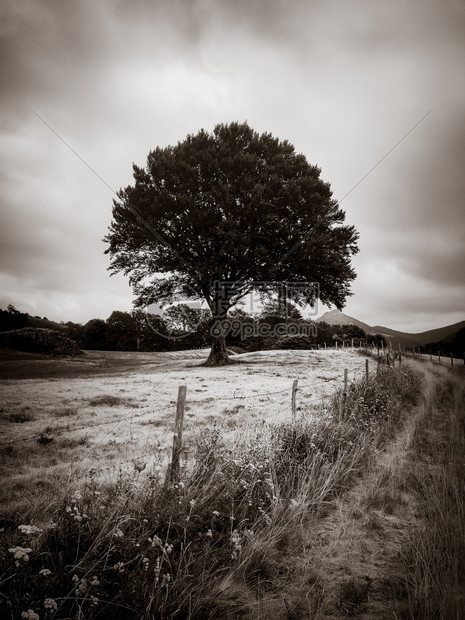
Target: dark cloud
<point>342,81</point>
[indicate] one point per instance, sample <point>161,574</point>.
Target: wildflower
<point>76,497</point>
<point>50,605</point>
<point>157,570</point>
<point>93,601</point>
<point>216,513</point>
<point>192,502</point>
<point>45,572</point>
<point>145,563</point>
<point>165,579</point>
<point>209,534</point>
<point>75,578</point>
<point>119,566</point>
<point>20,555</point>
<point>236,543</point>
<point>118,533</point>
<point>168,548</point>
<point>81,587</point>
<point>29,530</point>
<point>29,615</point>
<point>95,582</point>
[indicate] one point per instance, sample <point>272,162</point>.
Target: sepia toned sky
<point>348,82</point>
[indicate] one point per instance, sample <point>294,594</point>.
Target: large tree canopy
<point>232,207</point>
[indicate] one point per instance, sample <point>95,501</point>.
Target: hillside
<point>336,317</point>
<point>405,339</point>
<point>35,321</point>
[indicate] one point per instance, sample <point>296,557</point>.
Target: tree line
<point>183,327</point>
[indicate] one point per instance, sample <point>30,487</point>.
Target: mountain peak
<point>336,317</point>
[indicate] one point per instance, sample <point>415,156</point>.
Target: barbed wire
<point>137,457</point>
<point>61,431</point>
<point>128,418</point>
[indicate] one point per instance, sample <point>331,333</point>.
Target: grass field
<point>353,508</point>
<point>122,406</point>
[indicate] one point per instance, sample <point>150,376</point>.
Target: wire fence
<point>169,407</point>
<point>302,396</point>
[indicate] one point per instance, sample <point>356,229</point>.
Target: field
<point>123,407</point>
<point>352,507</point>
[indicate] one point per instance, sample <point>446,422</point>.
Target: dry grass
<point>435,558</point>
<point>122,416</point>
<point>218,542</point>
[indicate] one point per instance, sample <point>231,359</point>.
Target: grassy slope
<point>394,544</point>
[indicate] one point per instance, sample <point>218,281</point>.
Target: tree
<point>94,336</point>
<point>76,332</point>
<point>121,332</point>
<point>221,214</point>
<point>181,318</point>
<point>11,318</point>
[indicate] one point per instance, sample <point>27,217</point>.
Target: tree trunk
<point>218,354</point>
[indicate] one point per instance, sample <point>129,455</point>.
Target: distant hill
<point>440,334</point>
<point>405,339</point>
<point>39,340</point>
<point>35,321</point>
<point>336,317</point>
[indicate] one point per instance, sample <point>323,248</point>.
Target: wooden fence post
<point>346,374</point>
<point>366,369</point>
<point>177,437</point>
<point>451,360</point>
<point>293,399</point>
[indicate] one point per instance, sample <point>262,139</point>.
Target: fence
<point>296,394</point>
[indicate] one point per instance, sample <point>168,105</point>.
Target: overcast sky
<point>344,81</point>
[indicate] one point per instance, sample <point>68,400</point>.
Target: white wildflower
<point>45,572</point>
<point>29,530</point>
<point>50,605</point>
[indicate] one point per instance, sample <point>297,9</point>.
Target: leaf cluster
<point>232,206</point>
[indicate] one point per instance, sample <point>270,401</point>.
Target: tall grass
<point>207,546</point>
<point>435,562</point>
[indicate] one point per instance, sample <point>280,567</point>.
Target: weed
<point>109,400</point>
<point>65,412</point>
<point>45,438</point>
<point>23,415</point>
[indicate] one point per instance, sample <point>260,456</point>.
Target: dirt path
<point>350,562</point>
